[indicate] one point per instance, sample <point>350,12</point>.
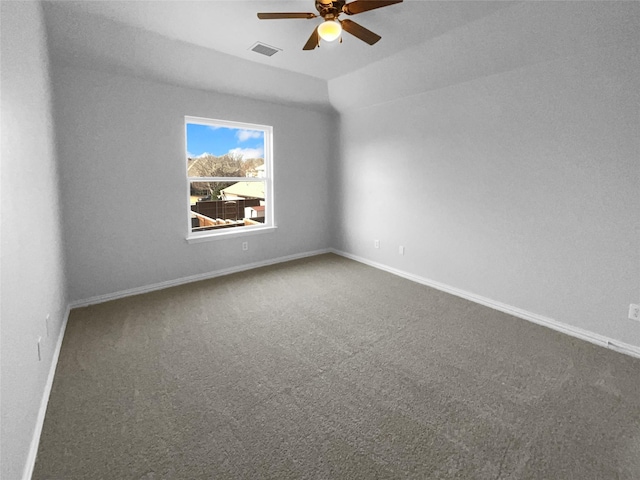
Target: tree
<point>228,165</point>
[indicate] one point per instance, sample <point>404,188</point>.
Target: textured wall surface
<point>122,154</point>
<point>32,273</point>
<point>517,181</point>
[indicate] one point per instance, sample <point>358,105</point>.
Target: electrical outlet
<point>39,351</point>
<point>634,312</point>
<point>376,243</point>
<point>245,246</point>
<point>401,250</point>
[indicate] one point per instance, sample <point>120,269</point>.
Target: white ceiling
<point>232,27</point>
<point>425,44</point>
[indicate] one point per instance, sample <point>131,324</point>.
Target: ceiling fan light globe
<point>330,30</point>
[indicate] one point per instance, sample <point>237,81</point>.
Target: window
<point>229,177</point>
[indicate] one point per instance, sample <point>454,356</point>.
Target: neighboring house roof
<point>244,190</point>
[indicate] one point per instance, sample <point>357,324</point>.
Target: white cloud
<point>191,155</point>
<point>248,152</point>
<point>244,135</point>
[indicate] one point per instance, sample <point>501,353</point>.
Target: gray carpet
<point>325,368</point>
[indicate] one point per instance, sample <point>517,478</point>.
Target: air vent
<point>264,49</point>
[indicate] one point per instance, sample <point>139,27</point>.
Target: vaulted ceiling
<point>232,27</point>
<point>173,39</point>
<point>425,44</point>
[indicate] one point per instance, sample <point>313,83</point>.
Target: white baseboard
<point>44,402</point>
<point>192,278</point>
<point>591,337</point>
<point>35,441</point>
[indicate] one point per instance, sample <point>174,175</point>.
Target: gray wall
<point>77,38</point>
<point>516,179</point>
<point>32,273</point>
<point>123,180</point>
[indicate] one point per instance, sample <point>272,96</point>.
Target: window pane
<point>207,190</point>
<point>216,151</point>
<point>217,205</point>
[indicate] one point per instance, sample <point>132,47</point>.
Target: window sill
<point>244,231</point>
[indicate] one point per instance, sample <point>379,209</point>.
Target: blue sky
<point>218,141</point>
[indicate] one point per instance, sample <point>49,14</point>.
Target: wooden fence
<point>224,209</point>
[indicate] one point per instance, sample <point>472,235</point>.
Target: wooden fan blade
<point>359,31</point>
<point>313,41</point>
<point>359,6</point>
<point>273,16</point>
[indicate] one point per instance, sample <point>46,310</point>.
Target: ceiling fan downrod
<point>332,26</point>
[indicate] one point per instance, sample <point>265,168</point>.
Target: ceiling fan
<point>331,28</point>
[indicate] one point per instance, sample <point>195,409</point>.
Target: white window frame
<point>269,217</point>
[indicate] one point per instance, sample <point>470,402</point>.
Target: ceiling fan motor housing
<point>329,10</point>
